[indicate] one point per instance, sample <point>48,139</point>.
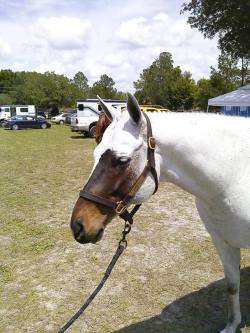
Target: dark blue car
<point>18,122</point>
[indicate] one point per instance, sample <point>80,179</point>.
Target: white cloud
<point>113,59</point>
<point>134,32</point>
<point>119,38</point>
<point>53,66</point>
<point>148,37</point>
<point>5,50</point>
<point>157,31</point>
<point>61,32</point>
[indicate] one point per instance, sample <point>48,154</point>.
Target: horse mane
<point>102,123</point>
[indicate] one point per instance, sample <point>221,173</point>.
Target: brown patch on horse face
<point>111,179</point>
<point>89,219</point>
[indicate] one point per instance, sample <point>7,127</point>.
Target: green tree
<point>50,90</point>
<point>154,82</point>
<point>235,70</point>
<point>226,78</point>
<point>46,90</point>
<point>162,83</point>
<point>228,69</point>
<point>229,19</point>
<point>245,70</point>
<point>121,95</point>
<point>8,86</point>
<point>203,93</point>
<point>182,90</point>
<point>6,99</point>
<point>81,81</point>
<point>104,87</point>
<point>208,88</point>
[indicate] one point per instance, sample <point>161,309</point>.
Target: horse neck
<point>188,153</point>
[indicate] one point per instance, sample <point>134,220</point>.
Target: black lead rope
<point>121,247</point>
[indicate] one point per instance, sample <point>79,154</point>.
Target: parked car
<point>41,114</point>
<point>88,111</point>
<point>60,119</point>
<point>18,122</point>
<point>153,108</point>
<point>86,123</point>
<point>68,118</point>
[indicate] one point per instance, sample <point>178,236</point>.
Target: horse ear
<point>110,111</point>
<point>134,108</point>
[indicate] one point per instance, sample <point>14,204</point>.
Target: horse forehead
<point>120,139</point>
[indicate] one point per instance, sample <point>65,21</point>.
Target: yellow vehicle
<point>153,108</point>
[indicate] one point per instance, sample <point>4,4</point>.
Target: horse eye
<point>123,159</point>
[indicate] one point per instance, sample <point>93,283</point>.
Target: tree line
<point>161,83</point>
<point>50,90</point>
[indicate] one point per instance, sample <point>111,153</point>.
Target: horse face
<point>119,160</point>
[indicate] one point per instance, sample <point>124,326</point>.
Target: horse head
<point>119,160</point>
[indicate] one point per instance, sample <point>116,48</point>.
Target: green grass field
<point>168,280</point>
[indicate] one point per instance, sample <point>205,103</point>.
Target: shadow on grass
<point>78,137</point>
<point>203,311</point>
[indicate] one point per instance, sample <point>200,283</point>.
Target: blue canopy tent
<point>235,103</point>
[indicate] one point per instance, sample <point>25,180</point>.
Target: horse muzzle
<point>82,236</point>
<point>88,221</point>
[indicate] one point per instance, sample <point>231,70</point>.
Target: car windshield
<point>17,118</point>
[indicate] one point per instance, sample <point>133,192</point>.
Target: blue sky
<point>119,38</point>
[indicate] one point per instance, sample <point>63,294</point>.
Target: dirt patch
<point>169,279</point>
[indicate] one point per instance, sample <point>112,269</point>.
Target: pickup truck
<point>88,112</point>
<point>85,122</point>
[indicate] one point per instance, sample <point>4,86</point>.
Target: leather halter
<point>120,207</point>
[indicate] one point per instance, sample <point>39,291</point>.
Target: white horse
<point>206,155</point>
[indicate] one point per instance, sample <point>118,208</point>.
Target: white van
<point>7,111</point>
<point>88,114</point>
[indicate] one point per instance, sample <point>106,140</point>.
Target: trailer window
<point>87,112</point>
<point>24,110</point>
<point>80,107</point>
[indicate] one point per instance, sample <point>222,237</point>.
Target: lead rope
<point>121,247</point>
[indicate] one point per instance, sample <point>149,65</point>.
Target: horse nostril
<point>77,228</point>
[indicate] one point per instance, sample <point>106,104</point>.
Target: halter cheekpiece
<point>120,207</point>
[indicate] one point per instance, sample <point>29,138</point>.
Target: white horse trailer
<point>88,111</point>
<point>94,104</point>
<point>7,111</point>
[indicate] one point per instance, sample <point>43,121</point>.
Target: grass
<point>168,280</point>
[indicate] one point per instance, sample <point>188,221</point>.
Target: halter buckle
<point>151,142</point>
<point>121,206</point>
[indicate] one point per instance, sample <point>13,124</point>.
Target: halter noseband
<point>120,207</point>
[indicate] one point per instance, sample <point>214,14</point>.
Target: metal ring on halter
<point>121,206</point>
<point>151,142</point>
<point>123,242</point>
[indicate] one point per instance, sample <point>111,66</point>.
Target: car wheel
<point>15,127</point>
<point>92,131</point>
<point>61,122</point>
<point>43,126</point>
